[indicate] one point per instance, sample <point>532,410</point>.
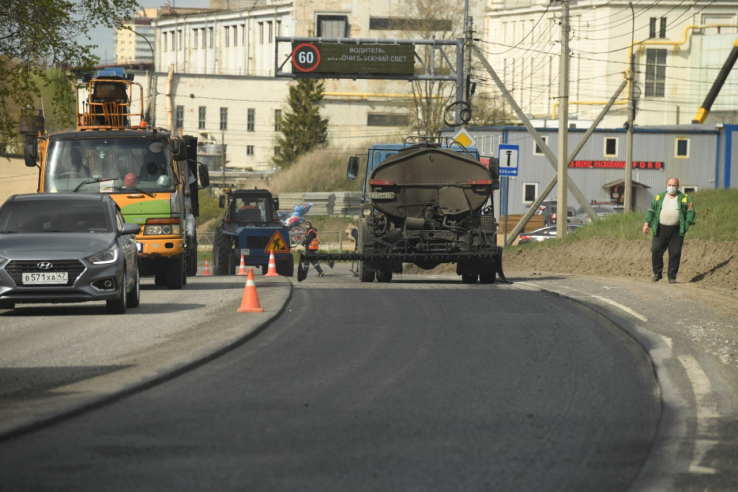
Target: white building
<point>680,48</point>
<point>222,84</point>
<point>134,43</point>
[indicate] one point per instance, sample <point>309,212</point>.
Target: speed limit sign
<point>306,57</point>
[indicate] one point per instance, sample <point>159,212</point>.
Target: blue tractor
<point>251,230</point>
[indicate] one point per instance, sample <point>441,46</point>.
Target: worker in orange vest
<point>312,244</point>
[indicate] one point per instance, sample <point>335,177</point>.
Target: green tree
<point>302,127</point>
<point>39,34</point>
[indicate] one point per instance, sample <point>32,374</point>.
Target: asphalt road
<point>425,385</point>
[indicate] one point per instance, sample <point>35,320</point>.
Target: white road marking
<point>620,306</point>
<point>706,413</point>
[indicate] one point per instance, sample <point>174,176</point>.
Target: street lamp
<point>152,86</point>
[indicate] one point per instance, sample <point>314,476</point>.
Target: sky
<point>103,37</point>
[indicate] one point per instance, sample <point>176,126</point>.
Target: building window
<point>655,73</point>
<point>537,150</point>
<point>164,37</point>
<point>194,38</point>
<point>277,120</point>
<point>278,29</point>
<point>332,26</point>
<point>387,119</point>
<point>530,192</point>
<point>179,118</point>
<point>243,34</point>
<point>681,148</point>
<point>227,36</point>
<point>235,35</point>
<point>250,119</point>
<point>652,27</point>
<point>402,24</point>
<point>662,31</point>
<point>269,33</point>
<point>687,189</point>
<point>249,150</point>
<point>277,150</point>
<point>179,40</point>
<point>611,146</point>
<point>261,33</point>
<point>224,118</point>
<point>211,36</point>
<point>201,118</point>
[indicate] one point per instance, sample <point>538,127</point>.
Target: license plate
<point>245,251</point>
<point>45,278</point>
<point>381,194</point>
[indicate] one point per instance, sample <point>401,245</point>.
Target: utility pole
<point>468,35</point>
<point>628,182</point>
<point>562,191</point>
<point>223,150</point>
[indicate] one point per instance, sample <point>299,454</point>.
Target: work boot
<point>321,274</point>
<point>656,278</point>
<point>672,280</point>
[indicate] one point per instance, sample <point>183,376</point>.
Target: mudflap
<point>498,264</point>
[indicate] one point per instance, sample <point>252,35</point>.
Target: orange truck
<point>151,174</point>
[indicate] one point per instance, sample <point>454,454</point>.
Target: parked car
<point>543,234</point>
<point>549,212</point>
<point>582,218</point>
<point>66,247</point>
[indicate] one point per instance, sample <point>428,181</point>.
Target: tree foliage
<point>302,127</point>
<point>39,34</point>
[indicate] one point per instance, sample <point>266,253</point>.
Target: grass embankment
<point>716,210</point>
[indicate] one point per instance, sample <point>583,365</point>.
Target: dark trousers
<point>315,264</point>
<point>667,238</point>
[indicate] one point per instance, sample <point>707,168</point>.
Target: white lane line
<point>620,306</point>
<point>706,414</point>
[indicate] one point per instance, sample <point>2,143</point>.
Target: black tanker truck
<point>425,203</point>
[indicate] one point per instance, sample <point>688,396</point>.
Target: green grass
<point>716,213</point>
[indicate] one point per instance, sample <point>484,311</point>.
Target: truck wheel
<point>160,278</point>
<point>222,250</point>
<point>191,265</point>
<point>286,268</point>
<point>469,278</point>
<point>487,278</point>
<point>384,276</point>
<point>365,274</point>
<point>175,273</point>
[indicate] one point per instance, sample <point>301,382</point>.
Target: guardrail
<point>329,240</point>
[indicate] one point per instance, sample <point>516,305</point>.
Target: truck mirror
<point>30,155</point>
<point>221,201</point>
<point>179,150</point>
<point>353,167</point>
<point>156,148</point>
<point>275,200</point>
<point>202,170</point>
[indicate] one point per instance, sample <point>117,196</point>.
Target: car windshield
<point>109,165</point>
<point>42,216</point>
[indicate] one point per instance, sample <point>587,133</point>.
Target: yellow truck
<point>151,174</point>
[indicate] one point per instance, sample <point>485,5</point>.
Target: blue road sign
<point>508,156</point>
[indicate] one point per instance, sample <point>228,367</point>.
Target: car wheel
<point>7,305</point>
<point>134,296</point>
<point>118,306</point>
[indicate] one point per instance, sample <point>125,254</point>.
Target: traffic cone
<point>242,268</point>
<point>206,273</point>
<point>272,271</point>
<point>250,299</point>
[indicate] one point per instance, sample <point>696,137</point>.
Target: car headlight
<point>107,256</point>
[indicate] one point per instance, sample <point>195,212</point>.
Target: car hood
<point>53,245</point>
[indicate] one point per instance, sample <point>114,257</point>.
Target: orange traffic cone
<point>206,273</point>
<point>250,299</point>
<point>242,268</point>
<point>272,271</point>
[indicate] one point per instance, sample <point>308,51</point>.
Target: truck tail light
<point>381,182</point>
<point>479,182</point>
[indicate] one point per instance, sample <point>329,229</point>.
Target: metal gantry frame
<point>455,74</point>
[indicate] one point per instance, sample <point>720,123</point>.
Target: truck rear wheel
<point>487,278</point>
<point>469,278</point>
<point>175,273</point>
<point>191,260</point>
<point>384,276</point>
<point>222,250</point>
<point>365,274</point>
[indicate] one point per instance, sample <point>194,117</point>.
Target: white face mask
<point>672,190</point>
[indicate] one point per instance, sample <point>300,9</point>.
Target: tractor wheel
<point>286,268</point>
<point>221,252</point>
<point>469,278</point>
<point>365,274</point>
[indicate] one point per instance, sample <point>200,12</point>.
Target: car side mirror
<point>129,229</point>
<point>221,201</point>
<point>204,173</point>
<point>30,155</point>
<point>353,167</point>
